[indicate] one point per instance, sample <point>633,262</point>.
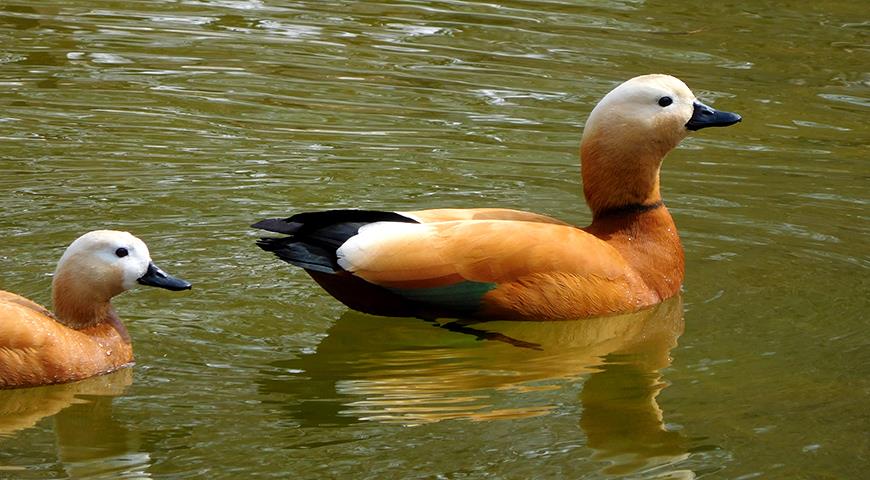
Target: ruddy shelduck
<point>84,336</point>
<point>506,264</point>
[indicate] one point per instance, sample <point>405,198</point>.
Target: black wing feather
<point>315,236</point>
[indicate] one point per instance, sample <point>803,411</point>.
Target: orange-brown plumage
<point>84,337</point>
<point>38,350</point>
<point>509,264</point>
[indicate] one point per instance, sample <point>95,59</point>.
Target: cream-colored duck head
<point>96,267</point>
<point>629,132</point>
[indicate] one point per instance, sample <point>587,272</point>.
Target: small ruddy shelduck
<point>512,265</point>
<point>84,336</point>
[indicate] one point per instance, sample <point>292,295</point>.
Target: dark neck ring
<point>630,209</point>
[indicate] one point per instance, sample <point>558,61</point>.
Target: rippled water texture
<point>186,121</point>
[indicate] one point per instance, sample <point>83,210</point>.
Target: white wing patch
<point>371,248</point>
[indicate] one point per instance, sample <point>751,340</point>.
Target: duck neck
<point>613,180</point>
<point>80,307</point>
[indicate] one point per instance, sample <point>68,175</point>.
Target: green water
<point>186,121</point>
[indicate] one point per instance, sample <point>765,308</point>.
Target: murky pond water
<point>185,121</point>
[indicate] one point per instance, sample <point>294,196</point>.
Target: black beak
<point>158,278</point>
<point>704,116</point>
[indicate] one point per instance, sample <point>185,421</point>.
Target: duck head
<point>96,267</point>
<point>631,130</point>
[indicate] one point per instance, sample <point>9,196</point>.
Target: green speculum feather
<point>463,297</point>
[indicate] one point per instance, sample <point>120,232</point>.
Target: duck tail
<point>314,237</point>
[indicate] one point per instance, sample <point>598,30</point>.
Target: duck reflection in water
<point>407,374</point>
<point>91,441</point>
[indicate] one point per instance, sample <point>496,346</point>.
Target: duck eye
<point>121,252</point>
<point>665,101</point>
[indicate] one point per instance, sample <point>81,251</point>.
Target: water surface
<point>186,121</point>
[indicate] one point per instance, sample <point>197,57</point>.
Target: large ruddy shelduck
<point>84,336</point>
<point>505,264</point>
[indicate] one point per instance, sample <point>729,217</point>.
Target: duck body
<point>515,265</point>
<point>84,337</point>
<point>487,263</point>
<point>38,350</point>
